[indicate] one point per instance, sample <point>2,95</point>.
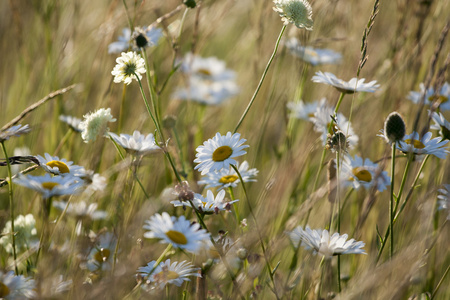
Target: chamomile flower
<point>129,39</point>
<point>313,56</point>
<point>95,124</point>
<point>444,199</point>
<point>177,231</point>
<point>348,87</point>
<point>129,65</point>
<point>210,68</point>
<point>137,144</point>
<point>228,177</point>
<point>357,172</point>
<point>425,145</point>
<point>305,111</point>
<point>297,12</point>
<point>443,96</point>
<point>441,124</point>
<point>57,166</point>
<point>321,242</point>
<point>16,130</point>
<point>207,92</point>
<point>49,185</point>
<point>322,120</point>
<point>101,255</point>
<point>168,273</point>
<point>219,152</point>
<point>73,122</point>
<point>25,234</point>
<point>81,210</point>
<point>208,204</point>
<point>16,287</point>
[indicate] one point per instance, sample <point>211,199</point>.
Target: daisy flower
<point>208,204</point>
<point>210,68</point>
<point>138,144</point>
<point>16,287</point>
<point>95,124</point>
<point>348,87</point>
<point>207,92</point>
<point>16,130</point>
<point>358,172</point>
<point>305,111</point>
<point>177,231</point>
<point>218,153</point>
<point>49,185</point>
<point>441,124</point>
<point>320,242</point>
<point>444,199</point>
<point>228,177</point>
<point>425,145</point>
<point>125,41</point>
<point>56,166</point>
<point>25,234</point>
<point>322,120</point>
<point>101,255</point>
<point>313,56</point>
<point>297,12</point>
<point>168,273</point>
<point>442,96</point>
<point>73,122</point>
<point>81,210</point>
<point>129,65</point>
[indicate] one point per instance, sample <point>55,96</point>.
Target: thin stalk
<point>236,210</point>
<point>338,168</point>
<point>122,108</point>
<point>269,268</point>
<point>391,202</point>
<point>63,141</point>
<point>262,79</point>
<point>440,282</point>
<point>11,207</point>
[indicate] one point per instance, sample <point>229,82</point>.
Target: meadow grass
<point>104,243</point>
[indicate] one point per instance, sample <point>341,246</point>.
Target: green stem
<point>440,282</point>
<point>338,215</point>
<point>122,108</point>
<point>262,79</point>
<point>391,202</point>
<point>11,206</point>
<point>236,210</point>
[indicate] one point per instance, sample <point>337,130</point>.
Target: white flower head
<point>443,96</point>
<point>210,68</point>
<point>305,111</point>
<point>16,287</point>
<point>49,185</point>
<point>16,130</point>
<point>444,199</point>
<point>25,234</point>
<point>313,56</point>
<point>298,12</point>
<point>321,242</point>
<point>139,144</point>
<point>81,210</point>
<point>219,152</point>
<point>228,177</point>
<point>357,172</point>
<point>167,273</point>
<point>95,124</point>
<point>207,92</point>
<point>125,41</point>
<point>101,255</point>
<point>177,231</point>
<point>441,124</point>
<point>73,122</point>
<point>322,120</point>
<point>208,204</point>
<point>129,65</point>
<point>349,87</point>
<point>56,166</point>
<point>425,145</point>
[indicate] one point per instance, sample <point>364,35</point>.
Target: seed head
<point>394,128</point>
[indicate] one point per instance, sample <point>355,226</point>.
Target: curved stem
<point>261,80</point>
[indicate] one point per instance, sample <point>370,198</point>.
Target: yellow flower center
<point>165,275</point>
<point>222,153</point>
<point>4,290</point>
<point>204,204</point>
<point>441,98</point>
<point>205,72</point>
<point>417,144</point>
<point>228,179</point>
<point>102,255</point>
<point>62,167</point>
<point>362,174</point>
<point>177,237</point>
<point>49,185</point>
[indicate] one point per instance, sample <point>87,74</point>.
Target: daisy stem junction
<point>261,80</point>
